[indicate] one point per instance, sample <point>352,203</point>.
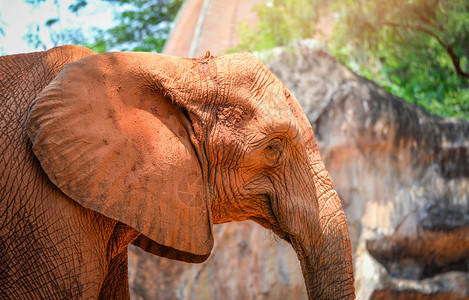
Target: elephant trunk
<point>318,232</point>
<point>325,254</point>
<point>325,250</point>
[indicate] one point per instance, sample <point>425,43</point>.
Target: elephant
<point>99,151</point>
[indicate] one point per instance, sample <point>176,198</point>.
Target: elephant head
<point>171,146</point>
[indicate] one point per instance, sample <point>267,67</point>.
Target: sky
<point>16,16</point>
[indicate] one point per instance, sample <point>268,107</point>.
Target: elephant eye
<point>273,152</point>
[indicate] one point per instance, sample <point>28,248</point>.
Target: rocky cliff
<point>403,177</point>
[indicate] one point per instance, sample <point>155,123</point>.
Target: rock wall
<point>247,262</point>
<point>403,177</point>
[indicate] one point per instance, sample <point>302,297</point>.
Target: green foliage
<point>141,26</point>
<point>281,21</point>
<point>75,7</point>
<point>51,22</point>
<point>417,50</point>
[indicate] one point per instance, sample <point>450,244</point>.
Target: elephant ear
<point>107,134</point>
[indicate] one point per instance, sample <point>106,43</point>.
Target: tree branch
<point>449,49</point>
<point>430,23</point>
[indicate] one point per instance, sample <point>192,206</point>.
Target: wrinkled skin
<point>153,150</point>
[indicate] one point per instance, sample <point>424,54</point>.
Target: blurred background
<point>385,85</point>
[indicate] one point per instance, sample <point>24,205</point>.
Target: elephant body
<point>98,151</point>
<point>41,253</point>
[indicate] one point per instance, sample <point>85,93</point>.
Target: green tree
<point>416,49</point>
<point>280,21</point>
<point>144,26</point>
<point>141,26</point>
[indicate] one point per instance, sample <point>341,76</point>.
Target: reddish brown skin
<point>153,150</point>
<point>50,247</point>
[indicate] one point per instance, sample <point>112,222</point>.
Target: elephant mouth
<point>275,228</point>
<point>271,221</point>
